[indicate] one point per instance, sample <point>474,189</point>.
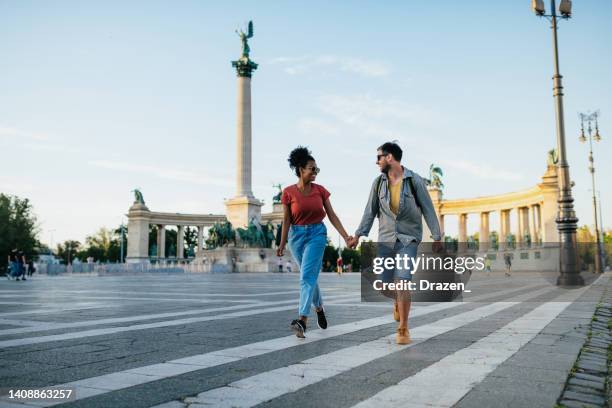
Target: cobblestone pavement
<point>223,340</point>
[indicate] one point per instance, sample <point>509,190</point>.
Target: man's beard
<point>385,168</point>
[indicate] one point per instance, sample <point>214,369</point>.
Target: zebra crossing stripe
<point>259,309</point>
<point>40,326</point>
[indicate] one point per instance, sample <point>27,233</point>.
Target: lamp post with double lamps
<point>567,222</point>
<point>590,119</point>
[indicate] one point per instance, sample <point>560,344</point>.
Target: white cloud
<point>51,147</point>
<point>313,126</point>
<point>354,108</point>
<point>389,119</point>
<point>304,64</point>
<point>161,172</point>
<point>12,132</point>
<point>482,171</point>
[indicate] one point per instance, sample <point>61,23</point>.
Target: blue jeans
<point>390,250</point>
<point>15,269</point>
<point>307,244</point>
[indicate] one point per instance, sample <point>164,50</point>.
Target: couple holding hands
<point>398,198</point>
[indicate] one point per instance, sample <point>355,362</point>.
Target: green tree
<point>18,227</point>
<point>352,257</point>
<point>68,251</point>
<point>191,241</point>
<point>586,249</point>
<point>103,246</point>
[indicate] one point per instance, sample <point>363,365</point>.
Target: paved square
<point>178,340</point>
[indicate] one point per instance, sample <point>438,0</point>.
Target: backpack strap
<point>414,194</point>
<point>410,184</point>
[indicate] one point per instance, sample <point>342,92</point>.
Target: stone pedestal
<point>549,208</point>
<point>138,234</point>
<point>240,210</point>
<point>234,260</point>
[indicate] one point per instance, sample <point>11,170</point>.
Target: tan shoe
<point>402,336</point>
<point>396,315</point>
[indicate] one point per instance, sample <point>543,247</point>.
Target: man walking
<point>399,198</point>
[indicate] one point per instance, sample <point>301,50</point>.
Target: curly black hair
<point>299,158</point>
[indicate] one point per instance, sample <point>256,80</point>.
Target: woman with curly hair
<point>305,205</point>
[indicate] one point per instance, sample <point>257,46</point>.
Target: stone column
<point>462,232</point>
<point>519,226</point>
<point>180,242</point>
<point>538,209</point>
<point>244,206</point>
<point>200,238</point>
<point>526,222</point>
<point>504,228</point>
<point>484,232</point>
<point>243,141</point>
<point>138,234</point>
<point>533,223</point>
<point>161,241</point>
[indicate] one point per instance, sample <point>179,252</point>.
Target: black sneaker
<point>321,320</point>
<point>299,328</point>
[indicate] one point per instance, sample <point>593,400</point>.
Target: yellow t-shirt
<point>395,191</point>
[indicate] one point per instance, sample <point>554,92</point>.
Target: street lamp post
<point>591,118</point>
<point>567,222</point>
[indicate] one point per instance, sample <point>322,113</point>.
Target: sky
<point>99,98</point>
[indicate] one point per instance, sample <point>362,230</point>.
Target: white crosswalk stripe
<point>259,308</point>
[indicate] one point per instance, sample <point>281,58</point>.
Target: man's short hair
<point>392,148</point>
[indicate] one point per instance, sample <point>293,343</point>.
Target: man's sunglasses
<point>378,156</point>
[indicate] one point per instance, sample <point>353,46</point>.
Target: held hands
<point>351,241</point>
<point>437,246</point>
<point>280,251</point>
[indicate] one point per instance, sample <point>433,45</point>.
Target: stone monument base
<point>232,259</point>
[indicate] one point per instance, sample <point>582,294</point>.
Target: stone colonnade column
<point>161,241</point>
<point>484,231</point>
<point>504,228</point>
<point>462,232</point>
<point>534,225</point>
<point>200,237</point>
<point>519,225</point>
<point>180,242</point>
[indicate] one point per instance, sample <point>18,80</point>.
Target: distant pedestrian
<point>280,265</point>
<point>22,265</point>
<point>508,262</point>
<point>339,265</point>
<point>288,266</point>
<point>31,267</point>
<point>487,263</point>
<point>16,262</point>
